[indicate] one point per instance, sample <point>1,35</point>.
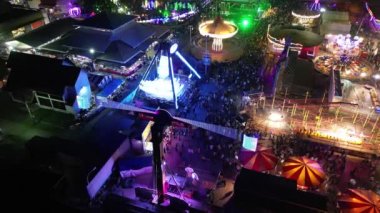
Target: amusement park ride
<point>165,84</point>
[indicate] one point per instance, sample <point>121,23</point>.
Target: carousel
<point>222,47</point>
<point>349,69</point>
<point>306,18</point>
<point>344,54</point>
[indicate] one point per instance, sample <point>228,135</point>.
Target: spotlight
<point>322,10</point>
<point>173,48</point>
<point>376,76</point>
<point>275,117</point>
<point>92,51</point>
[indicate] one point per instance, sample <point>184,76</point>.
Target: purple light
<point>373,19</point>
<point>75,12</point>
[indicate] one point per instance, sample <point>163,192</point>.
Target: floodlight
<point>173,48</point>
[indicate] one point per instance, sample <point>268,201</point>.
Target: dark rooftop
<point>107,21</point>
<point>85,39</point>
<point>298,34</point>
<point>12,17</point>
<point>47,32</point>
<point>118,51</point>
<point>39,73</point>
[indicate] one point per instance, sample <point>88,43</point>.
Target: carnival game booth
<point>306,43</point>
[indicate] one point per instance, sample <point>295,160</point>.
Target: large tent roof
<point>297,34</point>
<point>40,73</point>
<point>360,200</point>
<point>306,172</point>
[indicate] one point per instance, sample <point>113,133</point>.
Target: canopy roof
<point>306,172</point>
<point>261,160</point>
<point>297,34</point>
<point>306,12</point>
<point>360,200</point>
<point>218,28</point>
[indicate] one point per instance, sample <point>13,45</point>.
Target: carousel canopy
<point>261,160</point>
<point>218,28</point>
<point>298,34</point>
<point>359,200</point>
<point>306,13</point>
<point>306,172</point>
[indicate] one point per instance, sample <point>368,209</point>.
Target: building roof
<point>118,51</point>
<point>107,21</point>
<point>12,17</point>
<point>46,33</point>
<point>85,39</point>
<point>119,45</point>
<point>298,34</point>
<point>40,73</point>
<point>134,34</point>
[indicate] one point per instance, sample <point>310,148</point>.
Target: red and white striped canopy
<point>306,172</point>
<point>261,160</point>
<point>359,200</point>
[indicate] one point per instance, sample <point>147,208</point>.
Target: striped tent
<point>261,160</point>
<point>306,172</point>
<point>359,200</point>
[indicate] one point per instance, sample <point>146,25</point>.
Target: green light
<point>165,13</point>
<point>245,23</point>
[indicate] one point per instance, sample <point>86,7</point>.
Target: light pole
<point>190,31</point>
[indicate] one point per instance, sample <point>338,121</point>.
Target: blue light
<point>172,76</point>
<point>249,143</point>
<point>187,64</point>
<point>173,48</point>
